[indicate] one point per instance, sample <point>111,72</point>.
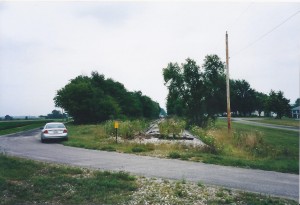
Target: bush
<point>174,155</point>
<point>138,149</point>
<point>143,148</point>
<point>108,148</point>
<point>171,127</point>
<point>127,129</point>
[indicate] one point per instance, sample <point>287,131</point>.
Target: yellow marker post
<point>116,125</point>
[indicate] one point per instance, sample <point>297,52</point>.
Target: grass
<point>25,181</point>
<point>8,127</point>
<point>102,136</point>
<point>29,182</point>
<point>283,121</point>
<point>254,147</point>
<point>248,146</point>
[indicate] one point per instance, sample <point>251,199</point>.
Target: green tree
<point>242,97</point>
<point>55,114</point>
<point>95,99</point>
<point>215,85</point>
<point>260,102</point>
<point>195,93</point>
<point>297,103</point>
<point>8,117</point>
<point>174,81</point>
<point>278,104</point>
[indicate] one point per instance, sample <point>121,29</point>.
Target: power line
<point>238,18</point>
<point>265,34</point>
<point>233,23</point>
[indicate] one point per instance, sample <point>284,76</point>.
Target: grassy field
<point>8,127</point>
<point>13,126</point>
<point>28,182</point>
<point>247,146</point>
<point>283,121</point>
<point>256,147</point>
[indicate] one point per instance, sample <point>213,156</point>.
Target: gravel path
<point>28,145</point>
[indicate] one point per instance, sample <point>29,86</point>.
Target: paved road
<point>271,183</point>
<point>260,124</point>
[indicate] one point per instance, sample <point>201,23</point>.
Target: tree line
<point>96,99</point>
<point>199,92</point>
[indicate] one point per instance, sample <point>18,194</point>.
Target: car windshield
<point>51,126</point>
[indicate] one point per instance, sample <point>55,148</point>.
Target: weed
<point>179,191</point>
<point>183,181</point>
<point>200,184</point>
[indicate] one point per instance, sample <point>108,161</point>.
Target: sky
<point>43,45</point>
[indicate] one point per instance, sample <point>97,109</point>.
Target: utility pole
<point>227,86</point>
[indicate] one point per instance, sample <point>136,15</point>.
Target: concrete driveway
<point>28,145</point>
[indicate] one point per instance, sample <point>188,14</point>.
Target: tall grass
<point>248,143</point>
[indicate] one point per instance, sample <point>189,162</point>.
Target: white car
<point>54,130</point>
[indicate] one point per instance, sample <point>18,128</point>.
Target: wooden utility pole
<point>227,86</point>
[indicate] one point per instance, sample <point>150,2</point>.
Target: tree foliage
<point>278,104</point>
<point>195,92</point>
<point>56,114</point>
<point>243,97</point>
<point>95,99</point>
<point>297,103</point>
<point>199,93</point>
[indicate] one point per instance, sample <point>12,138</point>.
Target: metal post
<point>116,125</point>
<point>227,86</point>
<point>116,135</point>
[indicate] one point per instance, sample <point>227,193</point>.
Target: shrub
<point>172,127</point>
<point>138,149</point>
<point>108,148</point>
<point>174,155</point>
<point>127,129</point>
<point>143,148</point>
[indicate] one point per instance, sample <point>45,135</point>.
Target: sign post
<point>116,125</point>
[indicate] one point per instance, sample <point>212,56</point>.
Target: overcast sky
<point>45,44</point>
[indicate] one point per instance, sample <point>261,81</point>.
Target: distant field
<point>8,127</point>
